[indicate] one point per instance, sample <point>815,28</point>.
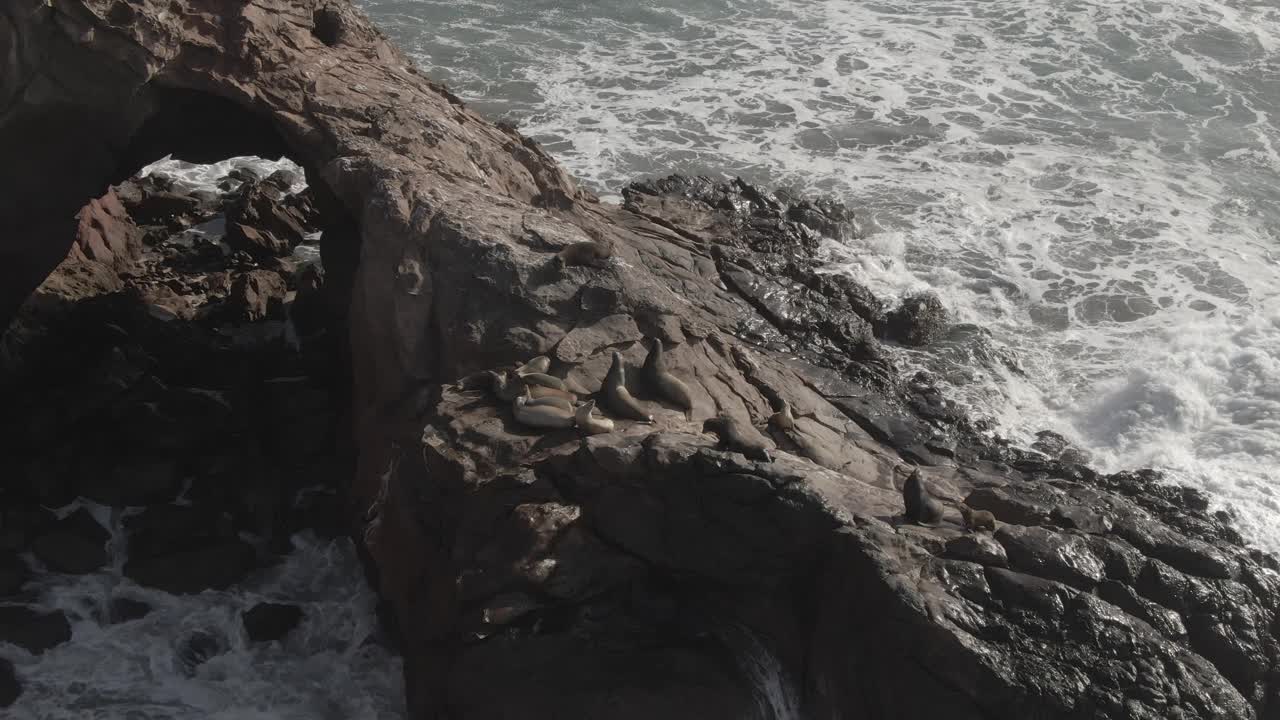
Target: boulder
<point>266,622</point>
<point>265,222</point>
<point>33,630</point>
<point>10,686</point>
<point>257,295</point>
<point>918,320</point>
<point>75,544</point>
<point>13,573</point>
<point>183,550</point>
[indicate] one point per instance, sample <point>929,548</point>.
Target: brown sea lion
<point>737,437</point>
<point>618,397</point>
<point>667,385</point>
<point>921,508</point>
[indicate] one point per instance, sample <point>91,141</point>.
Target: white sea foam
<point>327,668</point>
<point>1094,183</point>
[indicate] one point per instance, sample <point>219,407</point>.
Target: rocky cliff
<point>632,574</point>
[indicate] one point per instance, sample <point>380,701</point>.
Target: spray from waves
<point>1093,184</point>
<point>328,667</point>
<point>775,693</point>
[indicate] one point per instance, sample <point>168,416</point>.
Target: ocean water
<point>1092,187</point>
<point>331,667</point>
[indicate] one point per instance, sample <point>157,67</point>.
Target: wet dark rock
<point>21,523</point>
<point>183,549</point>
<point>133,481</point>
<point>977,548</point>
<point>75,544</point>
<point>33,630</point>
<point>125,609</point>
<point>918,320</point>
<point>266,622</point>
<point>13,573</point>
<point>196,648</point>
<point>1057,447</point>
<point>10,686</point>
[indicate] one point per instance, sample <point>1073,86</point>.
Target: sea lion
<point>921,508</point>
<point>541,416</point>
<point>590,424</point>
<point>559,402</point>
<point>738,438</point>
<point>667,385</point>
<point>977,519</point>
<point>783,419</point>
<point>618,397</point>
<point>540,364</point>
<point>506,385</point>
<point>592,254</point>
<point>543,379</point>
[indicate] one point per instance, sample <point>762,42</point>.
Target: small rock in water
<point>195,649</point>
<point>10,688</point>
<point>265,622</point>
<point>919,320</point>
<point>126,609</point>
<point>33,630</point>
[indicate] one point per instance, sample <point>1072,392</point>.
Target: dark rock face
<point>126,609</point>
<point>13,573</point>
<point>266,622</point>
<point>185,550</point>
<point>33,630</point>
<point>75,544</point>
<point>10,687</point>
<point>919,320</point>
<point>604,563</point>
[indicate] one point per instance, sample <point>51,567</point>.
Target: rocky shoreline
<point>542,572</point>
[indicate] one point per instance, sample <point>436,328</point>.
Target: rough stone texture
<point>546,574</point>
<point>258,294</point>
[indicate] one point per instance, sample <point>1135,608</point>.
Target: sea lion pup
<point>541,416</point>
<point>618,397</point>
<point>977,519</point>
<point>543,379</point>
<point>590,424</point>
<point>737,438</point>
<point>783,419</point>
<point>668,386</point>
<point>921,508</point>
<point>540,364</point>
<point>595,253</point>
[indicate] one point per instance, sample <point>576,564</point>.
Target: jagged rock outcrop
<point>547,574</point>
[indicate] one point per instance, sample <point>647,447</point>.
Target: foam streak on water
<point>1095,183</point>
